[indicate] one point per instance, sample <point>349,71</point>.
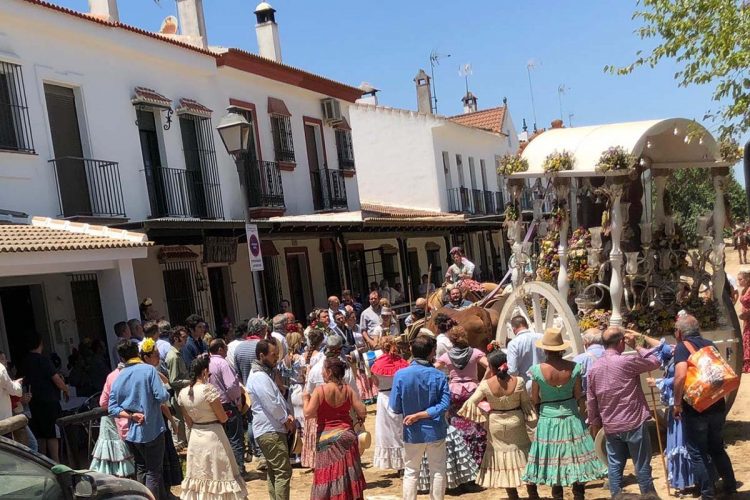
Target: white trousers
<point>436,458</point>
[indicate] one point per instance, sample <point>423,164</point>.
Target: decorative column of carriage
<point>617,271</point>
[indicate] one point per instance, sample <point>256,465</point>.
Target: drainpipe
<point>746,168</point>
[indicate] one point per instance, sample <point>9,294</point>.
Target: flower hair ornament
<point>148,346</point>
<point>493,346</point>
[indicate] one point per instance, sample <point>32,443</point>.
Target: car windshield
<point>22,478</point>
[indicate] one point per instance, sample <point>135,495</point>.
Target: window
<point>472,173</point>
<point>483,170</point>
<point>281,128</point>
<point>433,259</point>
<point>22,477</point>
<point>460,167</point>
<point>331,273</point>
<point>181,290</point>
<point>345,149</point>
<point>15,126</point>
<point>447,170</point>
<point>201,176</point>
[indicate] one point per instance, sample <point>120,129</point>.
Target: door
<point>194,173</point>
<point>68,150</point>
<point>298,275</point>
<point>358,270</point>
<point>313,160</point>
<point>331,273</point>
<point>88,307</point>
<point>155,176</point>
<point>433,259</point>
<point>472,173</point>
<point>178,287</point>
<point>19,320</point>
<point>414,273</point>
<point>220,296</point>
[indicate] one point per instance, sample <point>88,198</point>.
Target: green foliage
<point>710,40</point>
<point>691,194</point>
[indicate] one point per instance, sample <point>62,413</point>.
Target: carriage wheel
<point>543,307</point>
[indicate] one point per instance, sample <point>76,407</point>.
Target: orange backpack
<point>709,377</point>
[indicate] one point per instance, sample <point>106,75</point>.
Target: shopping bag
<point>709,377</point>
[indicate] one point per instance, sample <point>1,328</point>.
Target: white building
<point>423,161</point>
<point>111,125</point>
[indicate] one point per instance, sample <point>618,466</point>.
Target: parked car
<point>25,474</point>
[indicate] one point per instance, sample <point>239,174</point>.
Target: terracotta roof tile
<point>488,119</point>
<point>144,95</point>
<point>193,107</point>
<point>50,235</point>
<point>380,211</point>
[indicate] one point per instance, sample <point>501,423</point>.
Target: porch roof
<point>45,235</point>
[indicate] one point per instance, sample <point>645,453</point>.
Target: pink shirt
<point>468,373</point>
<point>122,423</point>
<point>614,397</point>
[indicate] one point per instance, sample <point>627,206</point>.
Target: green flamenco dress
<point>562,453</point>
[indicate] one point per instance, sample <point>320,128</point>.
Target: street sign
<point>253,247</point>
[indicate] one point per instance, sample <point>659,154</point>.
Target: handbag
<point>709,377</point>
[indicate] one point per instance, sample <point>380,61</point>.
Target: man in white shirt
<point>8,388</point>
<point>334,304</point>
<point>333,345</point>
<point>370,318</point>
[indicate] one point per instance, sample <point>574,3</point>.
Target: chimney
<point>424,94</point>
<point>105,10</point>
<point>267,32</point>
<point>470,102</point>
<point>369,94</point>
<point>192,22</point>
<point>557,124</point>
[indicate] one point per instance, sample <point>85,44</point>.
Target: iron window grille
<point>181,289</point>
<point>15,126</point>
<point>281,127</point>
<point>202,176</point>
<point>345,149</point>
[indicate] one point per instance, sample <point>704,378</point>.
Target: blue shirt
<point>191,350</point>
<point>138,389</point>
<point>523,354</point>
<point>464,303</point>
<point>586,360</point>
<point>421,388</point>
<point>268,405</point>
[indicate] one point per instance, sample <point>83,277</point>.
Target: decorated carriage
<point>602,246</point>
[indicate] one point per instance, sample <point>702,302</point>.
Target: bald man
<point>615,401</point>
<point>592,342</point>
<point>419,312</point>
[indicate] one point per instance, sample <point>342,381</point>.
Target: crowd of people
<point>447,415</point>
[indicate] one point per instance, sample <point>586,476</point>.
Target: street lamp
<point>234,130</point>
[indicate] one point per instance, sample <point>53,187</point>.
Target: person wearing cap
<point>616,402</point>
<point>563,451</point>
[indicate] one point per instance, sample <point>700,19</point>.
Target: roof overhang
<point>662,144</point>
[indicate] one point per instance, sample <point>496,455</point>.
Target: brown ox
<point>435,300</point>
<point>480,323</point>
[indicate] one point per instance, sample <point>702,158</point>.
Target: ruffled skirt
<point>111,454</point>
<point>507,450</point>
<point>309,442</point>
<point>460,465</point>
<point>562,453</point>
<point>678,460</point>
<point>473,433</point>
<point>389,442</point>
<point>338,471</point>
<point>212,472</point>
<point>367,390</point>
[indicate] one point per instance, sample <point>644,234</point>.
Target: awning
<point>343,125</point>
<point>660,143</point>
<point>149,97</point>
<point>277,107</point>
<point>191,107</point>
<point>176,252</point>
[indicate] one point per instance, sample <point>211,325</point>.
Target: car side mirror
<point>84,486</point>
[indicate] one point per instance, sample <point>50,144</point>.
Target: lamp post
<point>234,130</point>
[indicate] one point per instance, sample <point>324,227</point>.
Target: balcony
<point>88,188</point>
<point>477,201</point>
<point>265,191</point>
<point>459,200</point>
<point>175,192</point>
<point>489,202</point>
<point>499,202</point>
<point>328,189</point>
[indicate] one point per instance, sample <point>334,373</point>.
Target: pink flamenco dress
<point>745,301</point>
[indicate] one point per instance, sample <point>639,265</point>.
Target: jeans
<point>436,460</point>
<point>149,463</point>
<point>276,452</point>
<point>635,444</point>
<point>705,446</point>
<point>236,434</point>
<point>252,444</point>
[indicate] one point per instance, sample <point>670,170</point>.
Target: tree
<point>710,40</point>
<point>691,194</point>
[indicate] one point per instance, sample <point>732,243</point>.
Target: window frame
<point>17,109</point>
<point>283,140</point>
<point>345,149</point>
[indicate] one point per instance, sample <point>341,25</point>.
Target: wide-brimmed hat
<point>364,440</point>
<point>552,340</point>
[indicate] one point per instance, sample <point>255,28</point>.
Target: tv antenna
<point>465,71</point>
<point>561,90</point>
<point>435,61</point>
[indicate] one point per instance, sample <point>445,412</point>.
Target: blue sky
<point>386,43</point>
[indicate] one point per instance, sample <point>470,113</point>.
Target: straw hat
<point>364,440</point>
<point>552,340</point>
<point>600,446</point>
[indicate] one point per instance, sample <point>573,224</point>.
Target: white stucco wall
<point>395,158</point>
<point>103,65</point>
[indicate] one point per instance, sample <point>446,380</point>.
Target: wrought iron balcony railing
<point>264,185</point>
<point>88,187</point>
<point>175,192</point>
<point>329,189</point>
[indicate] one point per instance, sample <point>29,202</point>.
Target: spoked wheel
<point>543,307</point>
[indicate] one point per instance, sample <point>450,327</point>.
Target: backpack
<point>709,377</point>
